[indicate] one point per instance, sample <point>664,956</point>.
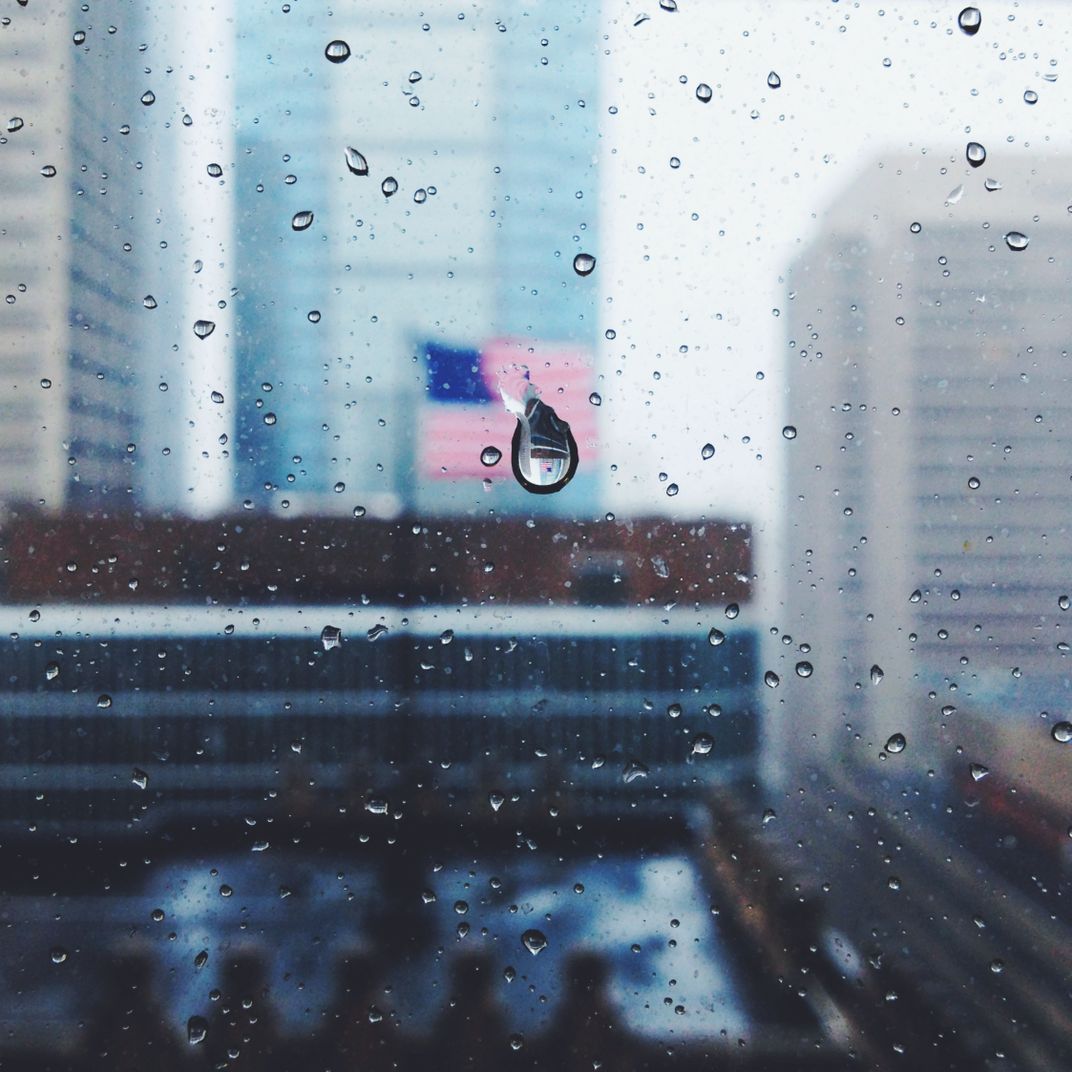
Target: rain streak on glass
<point>969,20</point>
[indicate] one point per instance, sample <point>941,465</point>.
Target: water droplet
<point>640,20</point>
<point>496,800</point>
<point>715,637</point>
<point>969,20</point>
<point>732,610</point>
<point>668,5</point>
<point>420,196</point>
<point>976,154</point>
<point>543,452</point>
<point>978,771</point>
<point>584,263</point>
<point>104,701</point>
<point>490,456</point>
<point>389,186</point>
<point>302,220</point>
<point>376,631</point>
<point>214,170</point>
<point>1062,732</point>
<point>52,671</point>
<point>704,93</point>
<point>773,80</point>
<point>139,778</point>
<point>990,185</point>
<point>702,744</point>
<point>534,941</point>
<point>769,815</point>
<point>270,418</point>
<point>1063,602</point>
<point>707,451</point>
<point>201,959</point>
<point>58,954</point>
<point>893,882</point>
<point>517,1041</point>
<point>633,770</point>
<point>356,161</point>
<point>148,97</point>
<point>46,383</point>
<point>15,123</point>
<point>804,668</point>
<point>896,743</point>
<point>672,490</point>
<point>48,171</point>
<point>771,679</point>
<point>337,51</point>
<point>330,637</point>
<point>1030,96</point>
<point>204,328</point>
<point>915,228</point>
<point>217,397</point>
<point>196,1027</point>
<point>595,399</point>
<point>1016,241</point>
<point>915,597</point>
<point>149,301</point>
<point>877,674</point>
<point>789,432</point>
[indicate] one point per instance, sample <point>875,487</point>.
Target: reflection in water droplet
<point>1017,241</point>
<point>976,154</point>
<point>534,941</point>
<point>896,743</point>
<point>702,744</point>
<point>584,263</point>
<point>356,161</point>
<point>1062,732</point>
<point>773,80</point>
<point>704,93</point>
<point>969,20</point>
<point>490,456</point>
<point>302,220</point>
<point>337,51</point>
<point>389,186</point>
<point>543,452</point>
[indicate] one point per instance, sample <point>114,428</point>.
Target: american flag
<point>463,411</point>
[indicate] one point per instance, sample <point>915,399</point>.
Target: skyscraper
<point>928,537</point>
<point>479,138</point>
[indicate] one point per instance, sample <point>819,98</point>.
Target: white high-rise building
<point>929,494</point>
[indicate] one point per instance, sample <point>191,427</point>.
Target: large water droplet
<point>1017,241</point>
<point>543,452</point>
<point>633,770</point>
<point>1030,96</point>
<point>148,97</point>
<point>204,328</point>
<point>584,263</point>
<point>196,1029</point>
<point>702,744</point>
<point>804,668</point>
<point>337,51</point>
<point>356,161</point>
<point>707,451</point>
<point>789,432</point>
<point>969,20</point>
<point>139,778</point>
<point>976,154</point>
<point>496,800</point>
<point>302,220</point>
<point>704,93</point>
<point>490,456</point>
<point>377,631</point>
<point>330,637</point>
<point>877,674</point>
<point>771,679</point>
<point>896,743</point>
<point>534,941</point>
<point>58,954</point>
<point>773,80</point>
<point>52,671</point>
<point>389,186</point>
<point>978,771</point>
<point>716,637</point>
<point>1062,732</point>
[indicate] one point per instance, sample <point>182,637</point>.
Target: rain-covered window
<point>535,535</point>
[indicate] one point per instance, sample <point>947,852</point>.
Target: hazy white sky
<point>757,169</point>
